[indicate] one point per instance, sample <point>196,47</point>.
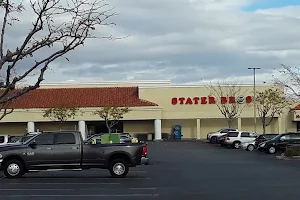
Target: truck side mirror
<point>33,144</point>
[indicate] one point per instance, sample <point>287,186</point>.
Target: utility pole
<point>254,94</point>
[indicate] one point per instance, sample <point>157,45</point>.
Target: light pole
<point>254,95</point>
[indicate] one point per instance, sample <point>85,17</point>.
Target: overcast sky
<point>187,41</point>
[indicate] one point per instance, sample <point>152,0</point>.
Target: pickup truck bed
<point>65,150</point>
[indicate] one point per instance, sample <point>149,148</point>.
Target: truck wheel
<point>119,168</point>
<point>13,169</point>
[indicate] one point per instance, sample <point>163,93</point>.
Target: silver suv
<point>212,136</point>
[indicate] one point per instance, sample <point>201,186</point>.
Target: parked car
<point>249,146</point>
<point>3,139</point>
<point>264,137</point>
<point>124,138</point>
<point>236,138</point>
<point>61,150</point>
<point>221,140</point>
<point>19,139</point>
<point>212,136</point>
<point>279,142</point>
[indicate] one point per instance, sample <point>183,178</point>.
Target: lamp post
<point>254,95</point>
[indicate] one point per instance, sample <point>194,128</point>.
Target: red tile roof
<point>297,107</point>
<point>81,97</point>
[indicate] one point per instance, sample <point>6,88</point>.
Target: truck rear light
<point>144,152</point>
<point>228,138</point>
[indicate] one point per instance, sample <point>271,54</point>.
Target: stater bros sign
<point>211,100</point>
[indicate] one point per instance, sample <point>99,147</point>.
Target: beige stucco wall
<point>163,97</point>
<point>36,115</point>
<point>52,126</point>
<point>13,129</point>
<point>141,119</point>
<point>139,126</point>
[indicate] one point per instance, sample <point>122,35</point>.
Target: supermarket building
<point>156,106</point>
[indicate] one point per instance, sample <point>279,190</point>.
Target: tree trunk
<point>229,121</point>
<point>264,125</point>
<point>59,125</point>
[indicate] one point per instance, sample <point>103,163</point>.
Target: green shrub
<point>292,151</point>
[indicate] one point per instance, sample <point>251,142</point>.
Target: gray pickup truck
<point>65,150</point>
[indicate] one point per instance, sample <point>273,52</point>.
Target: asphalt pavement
<point>191,170</point>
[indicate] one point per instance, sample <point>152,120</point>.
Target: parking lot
<point>191,170</point>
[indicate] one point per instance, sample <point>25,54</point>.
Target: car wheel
<point>119,168</point>
<point>213,139</point>
<point>250,147</point>
<point>272,150</point>
<point>236,145</point>
<point>13,169</point>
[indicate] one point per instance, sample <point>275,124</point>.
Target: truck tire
<point>13,169</point>
<point>119,168</point>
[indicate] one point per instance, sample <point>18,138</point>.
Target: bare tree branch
<point>231,90</point>
<point>290,80</point>
<point>111,115</point>
<point>59,26</point>
<point>270,102</point>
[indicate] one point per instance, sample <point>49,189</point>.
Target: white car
<point>4,139</point>
<point>248,146</point>
<point>212,136</point>
<point>236,138</point>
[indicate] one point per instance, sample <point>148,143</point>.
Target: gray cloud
<point>185,41</point>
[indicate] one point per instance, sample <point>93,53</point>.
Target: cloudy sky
<point>187,41</point>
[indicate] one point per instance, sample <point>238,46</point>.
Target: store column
<point>198,129</point>
<point>82,129</point>
<point>30,127</point>
<point>239,124</point>
<point>279,122</point>
<point>157,130</point>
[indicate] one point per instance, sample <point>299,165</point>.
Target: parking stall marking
<point>63,183</point>
<point>84,195</point>
<point>36,189</point>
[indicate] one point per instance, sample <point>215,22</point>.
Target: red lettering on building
<point>232,99</point>
<point>181,100</point>
<point>223,100</point>
<point>174,101</point>
<point>189,101</point>
<point>203,100</point>
<point>196,100</point>
<point>248,99</point>
<point>211,100</point>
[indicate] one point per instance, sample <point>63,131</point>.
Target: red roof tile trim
<point>297,107</point>
<point>81,98</point>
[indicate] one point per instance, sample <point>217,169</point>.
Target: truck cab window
<point>65,138</point>
<point>44,139</point>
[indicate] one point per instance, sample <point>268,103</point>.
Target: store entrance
<point>98,127</point>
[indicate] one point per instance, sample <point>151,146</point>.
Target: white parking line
<point>63,183</point>
<point>87,195</point>
<point>138,171</point>
<point>142,188</point>
<point>35,189</point>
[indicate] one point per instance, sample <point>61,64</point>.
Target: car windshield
<point>276,137</point>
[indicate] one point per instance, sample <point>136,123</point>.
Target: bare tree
<point>269,103</point>
<point>58,27</point>
<point>111,115</point>
<point>290,79</point>
<point>61,114</point>
<point>225,95</point>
